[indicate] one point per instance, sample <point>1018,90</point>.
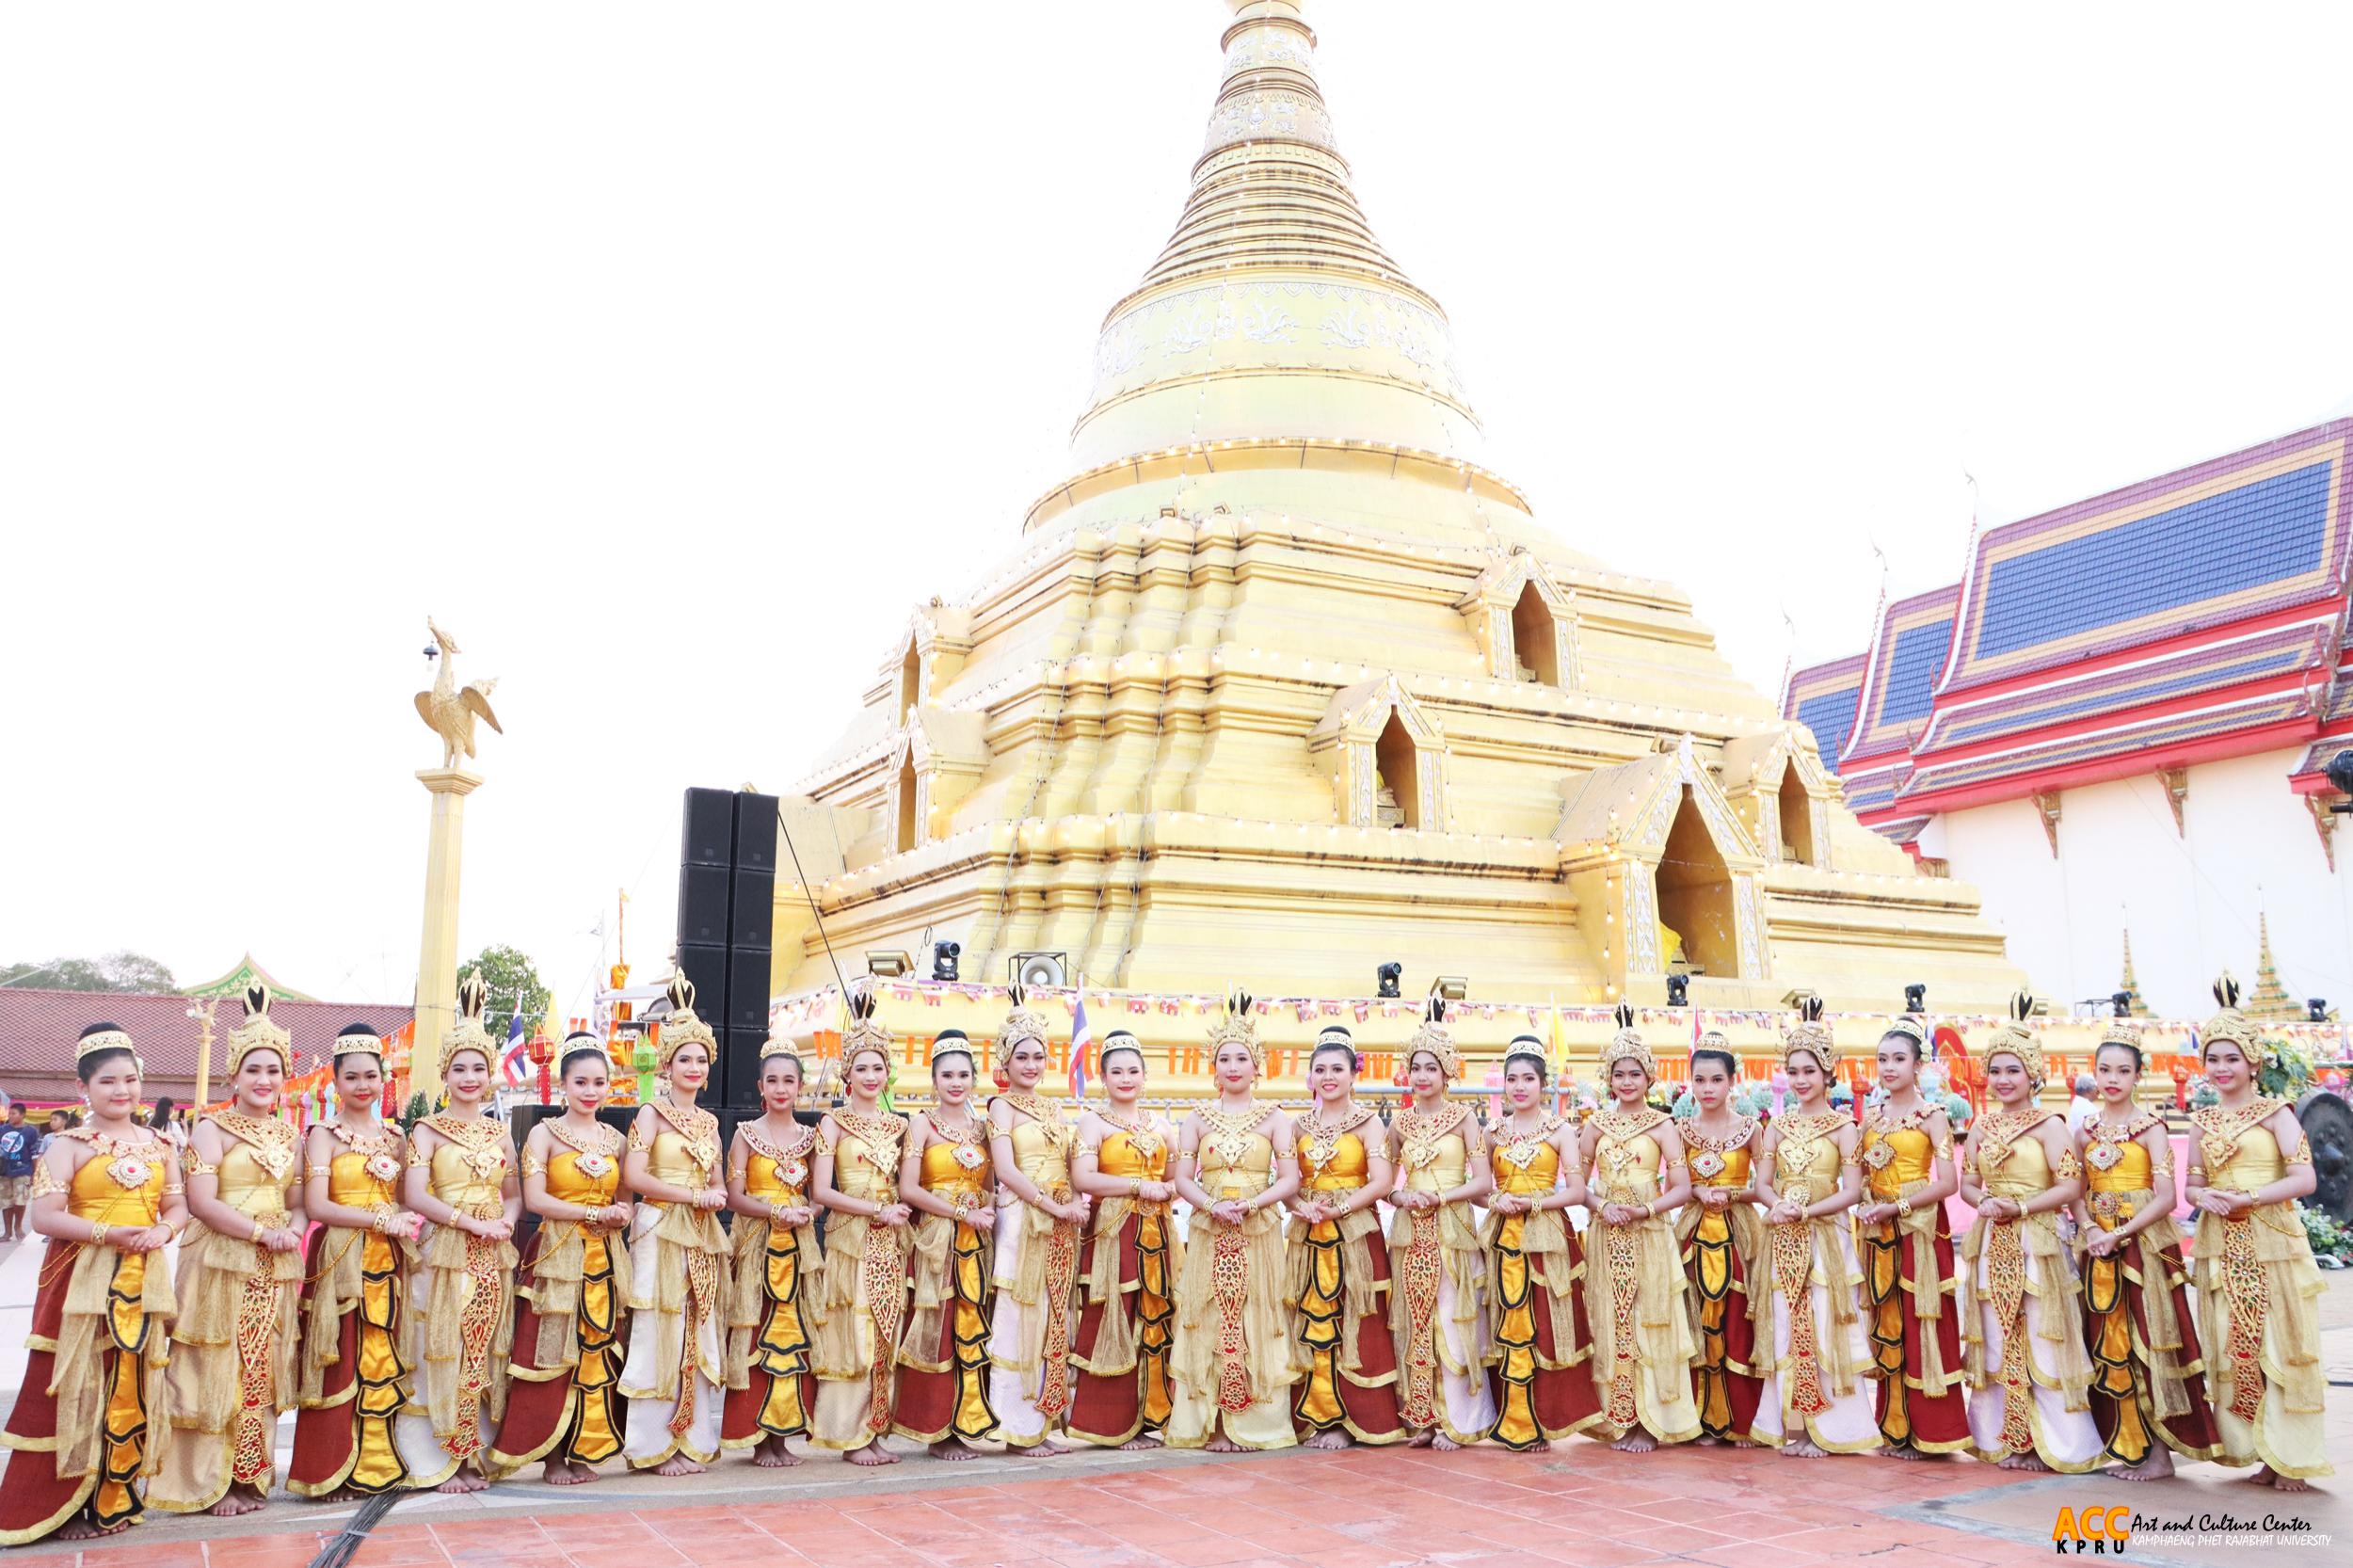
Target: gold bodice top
<point>1126,1156</point>
<point>685,1149</point>
<point>258,1166</point>
<point>1435,1163</point>
<point>775,1172</point>
<point>359,1178</point>
<point>120,1184</point>
<point>866,1157</point>
<point>1041,1144</point>
<point>943,1172</point>
<point>2114,1160</point>
<point>1625,1158</point>
<point>2009,1159</point>
<point>1526,1167</point>
<point>573,1179</point>
<point>1334,1162</point>
<point>1911,1156</point>
<point>1242,1170</point>
<point>469,1165</point>
<point>2236,1151</point>
<point>1805,1155</point>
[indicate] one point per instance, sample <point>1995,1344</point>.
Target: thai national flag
<point>1081,1038</point>
<point>516,1063</point>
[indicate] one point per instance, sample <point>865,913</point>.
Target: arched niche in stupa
<point>1782,794</point>
<point>1525,622</point>
<point>934,761</point>
<point>1374,739</point>
<point>1654,842</point>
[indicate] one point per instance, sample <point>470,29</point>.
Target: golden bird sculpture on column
<point>449,710</point>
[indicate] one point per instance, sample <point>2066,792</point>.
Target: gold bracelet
<point>98,1235</point>
<point>1135,1187</point>
<point>259,1230</point>
<point>1903,1207</point>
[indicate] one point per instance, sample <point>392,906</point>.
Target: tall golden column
<point>449,710</point>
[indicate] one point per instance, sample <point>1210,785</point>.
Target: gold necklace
<point>1519,1147</point>
<point>1230,1131</point>
<point>966,1140</point>
<point>271,1138</point>
<point>1145,1140</point>
<point>1323,1137</point>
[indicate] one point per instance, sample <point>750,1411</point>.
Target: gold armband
<point>2069,1168</point>
<point>2303,1152</point>
<point>639,1139</point>
<point>197,1165</point>
<point>318,1170</point>
<point>418,1158</point>
<point>45,1181</point>
<point>1943,1149</point>
<point>533,1164</point>
<point>2163,1167</point>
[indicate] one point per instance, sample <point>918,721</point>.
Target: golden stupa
<point>1285,683</point>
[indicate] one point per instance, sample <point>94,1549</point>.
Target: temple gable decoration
<point>935,760</point>
<point>1658,860</point>
<point>1386,756</point>
<point>1525,622</point>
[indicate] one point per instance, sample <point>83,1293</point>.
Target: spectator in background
<point>19,1146</point>
<point>2082,1107</point>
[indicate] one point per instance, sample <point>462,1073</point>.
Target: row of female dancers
<point>1009,1275</point>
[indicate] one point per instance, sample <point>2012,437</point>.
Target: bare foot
<point>1221,1443</point>
<point>1046,1447</point>
<point>2022,1462</point>
<point>583,1472</point>
<point>1336,1438</point>
<point>2273,1478</point>
<point>1708,1440</point>
<point>954,1448</point>
<point>1901,1451</point>
<point>1147,1440</point>
<point>1802,1447</point>
<point>80,1529</point>
<point>464,1480</point>
<point>2157,1467</point>
<point>773,1455</point>
<point>1420,1440</point>
<point>873,1453</point>
<point>1636,1442</point>
<point>563,1472</point>
<point>241,1498</point>
<point>1441,1443</point>
<point>677,1465</point>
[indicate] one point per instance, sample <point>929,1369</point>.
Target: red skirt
<point>1363,1402</point>
<point>1725,1384</point>
<point>35,1500</point>
<point>569,1411</point>
<point>1914,1411</point>
<point>1108,1409</point>
<point>1544,1390</point>
<point>943,1386</point>
<point>2116,1333</point>
<point>343,1437</point>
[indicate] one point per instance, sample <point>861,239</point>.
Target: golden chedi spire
<point>1273,313</point>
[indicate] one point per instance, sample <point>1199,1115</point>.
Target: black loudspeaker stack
<point>726,893</point>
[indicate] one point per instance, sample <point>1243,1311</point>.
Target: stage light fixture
<point>1678,990</point>
<point>1916,997</point>
<point>1390,974</point>
<point>944,956</point>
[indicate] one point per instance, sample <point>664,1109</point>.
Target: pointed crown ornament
<point>1238,1026</point>
<point>682,1027</point>
<point>1626,1046</point>
<point>2234,1026</point>
<point>1811,1036</point>
<point>863,1030</point>
<point>467,1033</point>
<point>1023,1023</point>
<point>260,1032</point>
<point>1436,1039</point>
<point>2015,1039</point>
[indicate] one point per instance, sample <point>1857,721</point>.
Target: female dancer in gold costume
<point>564,1404</point>
<point>1233,1361</point>
<point>1121,1396</point>
<point>1436,1299</point>
<point>354,1381</point>
<point>1544,1391</point>
<point>1642,1341</point>
<point>1040,1220</point>
<point>772,1378</point>
<point>1813,1352</point>
<point>461,1296</point>
<point>107,1194</point>
<point>1724,1248</point>
<point>1340,1265</point>
<point>865,1298</point>
<point>943,1356</point>
<point>2258,1289</point>
<point>2021,1321</point>
<point>1908,1277</point>
<point>232,1348</point>
<point>2148,1377</point>
<point>677,1259</point>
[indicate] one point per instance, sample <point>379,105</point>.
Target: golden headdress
<point>863,1030</point>
<point>359,1039</point>
<point>1527,1047</point>
<point>582,1042</point>
<point>2233,1025</point>
<point>467,1033</point>
<point>98,1037</point>
<point>954,1042</point>
<point>2119,1032</point>
<point>682,1027</point>
<point>1626,1046</point>
<point>1120,1039</point>
<point>1811,1035</point>
<point>1435,1037</point>
<point>2017,1040</point>
<point>1022,1022</point>
<point>1239,1026</point>
<point>259,1032</point>
<point>1914,1029</point>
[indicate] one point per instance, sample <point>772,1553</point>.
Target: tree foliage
<point>120,971</point>
<point>515,986</point>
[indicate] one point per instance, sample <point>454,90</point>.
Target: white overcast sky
<point>668,354</point>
